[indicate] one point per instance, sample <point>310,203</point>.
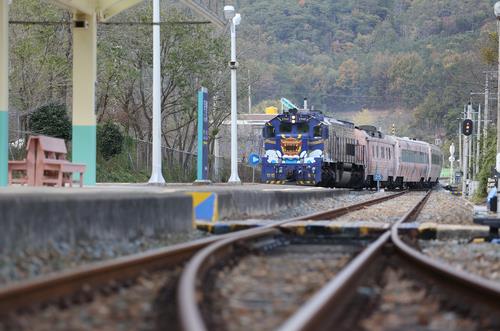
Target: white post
<point>478,142</point>
<point>249,94</point>
<point>452,159</point>
<point>486,109</point>
<point>234,179</point>
<point>156,175</point>
<point>460,150</point>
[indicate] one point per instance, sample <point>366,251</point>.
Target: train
<point>308,148</point>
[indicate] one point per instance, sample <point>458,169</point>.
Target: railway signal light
<point>393,130</point>
<point>467,127</point>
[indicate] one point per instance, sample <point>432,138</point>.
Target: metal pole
<point>478,142</point>
<point>498,103</point>
<point>234,179</point>
<point>156,175</point>
<point>249,94</point>
<point>452,156</point>
<point>486,109</point>
<point>470,143</point>
<point>464,158</point>
<point>460,143</point>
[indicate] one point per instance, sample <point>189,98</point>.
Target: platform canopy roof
<point>105,9</point>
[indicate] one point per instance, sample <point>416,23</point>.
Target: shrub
<point>51,120</point>
<point>109,140</point>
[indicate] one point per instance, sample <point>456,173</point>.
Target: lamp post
<point>497,14</point>
<point>234,20</point>
<point>156,174</point>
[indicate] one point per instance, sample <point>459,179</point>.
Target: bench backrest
<point>53,148</point>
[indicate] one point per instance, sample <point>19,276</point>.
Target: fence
<point>135,161</point>
<point>181,166</point>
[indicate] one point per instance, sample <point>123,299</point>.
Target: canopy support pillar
<point>84,80</point>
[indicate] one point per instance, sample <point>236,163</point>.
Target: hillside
<point>346,55</point>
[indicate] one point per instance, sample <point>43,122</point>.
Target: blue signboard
<point>378,177</point>
<point>253,159</point>
<point>202,173</point>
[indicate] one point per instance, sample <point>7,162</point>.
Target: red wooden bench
<point>51,166</point>
<point>26,167</point>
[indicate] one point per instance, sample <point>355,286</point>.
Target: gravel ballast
<point>262,290</point>
<point>406,303</point>
<point>444,208</point>
<point>149,304</point>
<point>56,257</point>
<point>482,259</point>
<point>388,211</point>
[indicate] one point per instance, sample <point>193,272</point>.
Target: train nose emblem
<point>291,146</point>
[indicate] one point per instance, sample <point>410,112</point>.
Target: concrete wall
<point>241,204</point>
<point>32,220</point>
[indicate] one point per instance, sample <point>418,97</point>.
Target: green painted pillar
<point>4,91</point>
<point>84,79</point>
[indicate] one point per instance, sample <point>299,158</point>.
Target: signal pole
<point>460,150</point>
<point>466,155</point>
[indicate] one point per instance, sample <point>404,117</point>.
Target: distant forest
<point>423,56</point>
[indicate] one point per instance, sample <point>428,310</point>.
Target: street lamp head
<point>229,12</point>
<point>497,9</point>
<point>237,19</point>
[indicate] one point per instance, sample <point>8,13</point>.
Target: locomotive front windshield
<point>298,128</point>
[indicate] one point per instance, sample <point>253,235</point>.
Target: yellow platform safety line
<point>301,230</point>
<point>364,231</point>
<point>335,227</point>
<point>205,207</point>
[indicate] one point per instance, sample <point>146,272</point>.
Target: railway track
<point>332,303</point>
<point>196,272</point>
<point>83,283</point>
<point>324,309</point>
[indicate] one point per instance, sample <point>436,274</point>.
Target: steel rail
<point>313,315</point>
<point>485,288</point>
<point>54,287</point>
<point>188,296</point>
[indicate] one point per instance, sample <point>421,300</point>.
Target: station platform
<point>34,215</point>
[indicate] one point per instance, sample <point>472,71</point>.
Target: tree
<point>109,140</point>
<point>51,120</point>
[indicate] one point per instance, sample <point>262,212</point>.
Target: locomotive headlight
<point>293,117</point>
<point>313,169</point>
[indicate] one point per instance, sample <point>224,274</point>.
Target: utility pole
<point>497,167</point>
<point>465,161</point>
<point>478,143</point>
<point>486,108</point>
<point>470,143</point>
<point>249,94</point>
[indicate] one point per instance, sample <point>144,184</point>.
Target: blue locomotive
<point>308,148</point>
